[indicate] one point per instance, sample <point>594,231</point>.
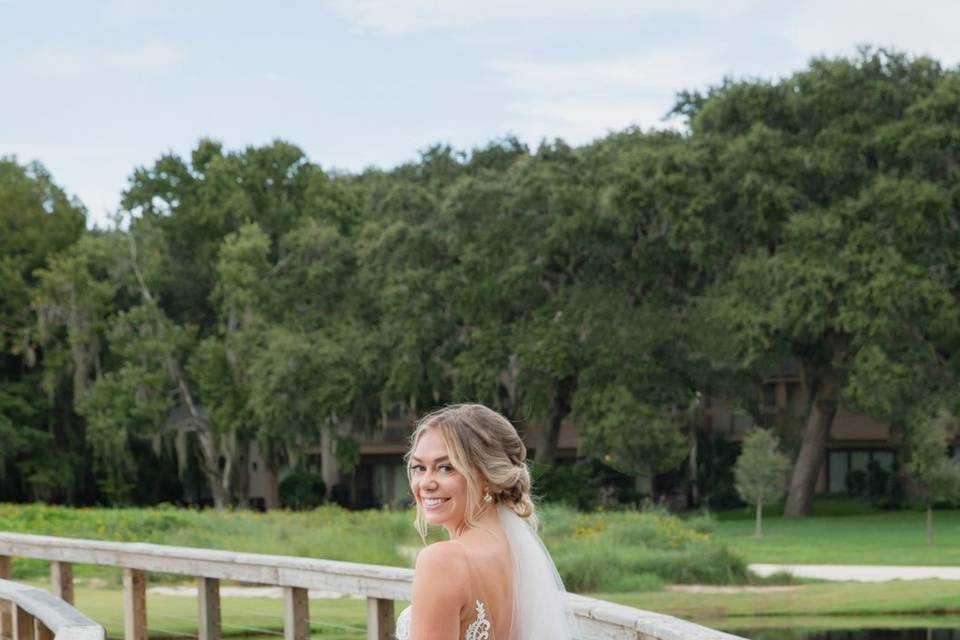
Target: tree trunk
<point>694,493</point>
<point>272,497</point>
<point>929,523</point>
<point>898,440</point>
<point>562,398</point>
<point>803,481</point>
<point>210,465</point>
<point>758,532</point>
<point>329,467</point>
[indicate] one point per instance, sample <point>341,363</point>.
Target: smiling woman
<point>468,475</point>
<point>440,491</point>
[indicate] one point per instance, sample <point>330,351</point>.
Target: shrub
<point>302,490</point>
<point>615,551</point>
<point>570,484</point>
<point>856,482</point>
<point>704,522</point>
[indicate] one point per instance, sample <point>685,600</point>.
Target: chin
<point>439,519</point>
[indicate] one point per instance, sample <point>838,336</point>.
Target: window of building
<point>837,470</point>
<point>770,395</point>
<point>842,462</point>
<point>390,484</point>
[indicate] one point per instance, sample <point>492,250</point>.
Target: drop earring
<point>487,497</point>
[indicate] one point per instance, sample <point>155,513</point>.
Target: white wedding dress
<point>539,600</point>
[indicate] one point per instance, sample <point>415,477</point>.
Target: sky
<point>97,88</point>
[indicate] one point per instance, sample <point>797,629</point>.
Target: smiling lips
<point>433,503</point>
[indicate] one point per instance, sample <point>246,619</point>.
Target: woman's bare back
<point>486,552</point>
<point>469,578</point>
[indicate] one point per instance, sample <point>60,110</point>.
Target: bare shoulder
<point>440,591</point>
<point>442,558</point>
<point>442,575</point>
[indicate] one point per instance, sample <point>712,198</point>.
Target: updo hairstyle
<point>485,448</point>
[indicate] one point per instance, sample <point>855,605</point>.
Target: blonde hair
<point>487,450</point>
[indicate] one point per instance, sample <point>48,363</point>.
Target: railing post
<point>40,630</point>
<point>208,603</point>
<point>6,622</point>
<point>296,614</point>
<point>379,619</point>
<point>61,577</point>
<point>22,624</point>
<point>134,605</point>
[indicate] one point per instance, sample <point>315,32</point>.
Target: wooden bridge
<point>32,614</point>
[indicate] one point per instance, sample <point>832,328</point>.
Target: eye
<point>447,468</point>
<point>417,468</point>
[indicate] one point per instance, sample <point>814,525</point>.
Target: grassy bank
<point>879,537</point>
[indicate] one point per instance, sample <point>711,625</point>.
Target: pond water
<point>843,628</point>
<point>851,634</point>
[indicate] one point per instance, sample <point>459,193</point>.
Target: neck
<point>488,515</point>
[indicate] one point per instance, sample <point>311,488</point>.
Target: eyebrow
<point>440,459</point>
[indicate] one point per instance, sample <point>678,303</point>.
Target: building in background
<point>860,450</point>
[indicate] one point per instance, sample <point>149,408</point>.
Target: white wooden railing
<point>28,613</point>
<point>380,585</point>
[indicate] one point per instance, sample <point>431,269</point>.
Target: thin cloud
<point>151,56</point>
<point>825,27</point>
<point>653,72</point>
<point>586,99</point>
<point>58,61</point>
<point>579,120</point>
<point>403,17</point>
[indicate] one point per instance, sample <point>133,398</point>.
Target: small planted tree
<point>934,471</point>
<point>760,473</point>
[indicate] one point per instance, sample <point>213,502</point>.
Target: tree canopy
<point>253,299</point>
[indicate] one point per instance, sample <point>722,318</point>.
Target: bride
<point>493,579</point>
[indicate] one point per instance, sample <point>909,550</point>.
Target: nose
<point>428,481</point>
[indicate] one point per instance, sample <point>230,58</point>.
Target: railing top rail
<point>310,573</point>
<point>602,619</point>
<point>65,622</point>
<point>597,618</point>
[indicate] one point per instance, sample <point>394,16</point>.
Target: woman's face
<point>439,489</point>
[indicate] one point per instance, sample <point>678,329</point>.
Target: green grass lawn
<point>880,537</point>
<point>176,616</point>
<point>827,598</point>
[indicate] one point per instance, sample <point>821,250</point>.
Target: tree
<point>929,465</point>
<point>72,298</point>
<point>828,230</point>
<point>760,472</point>
<point>217,282</point>
<point>42,451</point>
<point>634,438</point>
<point>636,397</point>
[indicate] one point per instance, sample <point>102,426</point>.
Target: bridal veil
<point>540,609</point>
